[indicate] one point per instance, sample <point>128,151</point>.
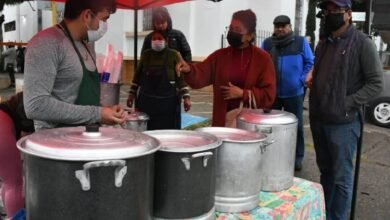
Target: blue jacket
<point>294,63</point>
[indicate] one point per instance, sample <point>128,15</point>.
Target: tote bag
<point>231,116</point>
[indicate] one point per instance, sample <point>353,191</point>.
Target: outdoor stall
<point>304,200</point>
<point>185,179</point>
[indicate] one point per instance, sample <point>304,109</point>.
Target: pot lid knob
<point>267,110</point>
<point>92,128</point>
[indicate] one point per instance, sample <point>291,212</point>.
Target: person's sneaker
<point>298,166</point>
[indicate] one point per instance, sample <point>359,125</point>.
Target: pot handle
<point>263,130</point>
<point>83,175</point>
<point>266,131</point>
<point>265,144</point>
<point>187,160</point>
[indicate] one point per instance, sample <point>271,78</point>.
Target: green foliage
<point>311,22</point>
<point>199,125</point>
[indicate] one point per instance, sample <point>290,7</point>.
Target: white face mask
<point>95,35</point>
<point>158,45</point>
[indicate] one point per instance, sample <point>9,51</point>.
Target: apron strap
<point>66,31</point>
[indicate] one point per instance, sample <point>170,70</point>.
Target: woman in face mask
<point>235,72</point>
<point>13,125</point>
<point>156,88</point>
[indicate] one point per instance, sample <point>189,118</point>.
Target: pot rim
<point>214,141</point>
<point>217,131</point>
<point>72,144</point>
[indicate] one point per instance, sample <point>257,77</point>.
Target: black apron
<point>158,97</point>
<point>89,90</point>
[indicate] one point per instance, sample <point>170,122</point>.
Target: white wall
<point>26,22</point>
<point>202,22</point>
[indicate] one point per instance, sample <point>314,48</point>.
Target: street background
<point>373,202</point>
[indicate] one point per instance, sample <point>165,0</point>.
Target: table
<point>304,200</point>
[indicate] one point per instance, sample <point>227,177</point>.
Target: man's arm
<point>42,60</point>
<point>372,70</point>
<point>308,60</point>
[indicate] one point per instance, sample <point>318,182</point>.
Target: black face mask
<point>234,39</point>
<point>334,21</point>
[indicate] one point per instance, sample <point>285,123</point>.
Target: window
<point>147,20</point>
<point>10,26</point>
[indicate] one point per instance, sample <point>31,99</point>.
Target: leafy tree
<point>311,22</point>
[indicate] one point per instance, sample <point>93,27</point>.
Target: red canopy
<point>140,4</point>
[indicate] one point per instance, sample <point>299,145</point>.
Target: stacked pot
<point>78,173</point>
<point>279,158</point>
<point>185,174</point>
<point>239,161</point>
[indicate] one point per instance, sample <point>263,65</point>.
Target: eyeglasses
<point>335,11</point>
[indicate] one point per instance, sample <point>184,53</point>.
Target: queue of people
<point>62,85</point>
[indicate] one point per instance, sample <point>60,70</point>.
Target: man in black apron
<point>62,85</point>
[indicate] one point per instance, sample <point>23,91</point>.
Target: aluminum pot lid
<point>180,141</point>
<point>77,144</point>
<point>272,117</point>
<point>234,134</point>
<point>137,116</point>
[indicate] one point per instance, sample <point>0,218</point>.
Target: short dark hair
<point>73,8</point>
<point>162,33</point>
<point>160,14</point>
<point>247,18</point>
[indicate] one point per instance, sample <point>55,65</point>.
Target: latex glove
<point>231,92</point>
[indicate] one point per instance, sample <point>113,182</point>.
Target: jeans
<point>335,146</point>
<point>294,105</point>
<point>11,73</point>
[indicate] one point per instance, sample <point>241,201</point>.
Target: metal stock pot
<point>279,159</point>
<point>109,93</point>
<point>184,186</point>
<point>73,173</point>
<point>136,121</point>
<point>239,160</point>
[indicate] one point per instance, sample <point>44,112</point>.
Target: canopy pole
<point>54,13</point>
<point>135,37</point>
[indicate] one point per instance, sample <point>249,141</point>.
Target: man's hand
<point>309,79</point>
<point>113,115</point>
<point>130,100</point>
<point>231,92</point>
<point>187,104</point>
<point>182,66</point>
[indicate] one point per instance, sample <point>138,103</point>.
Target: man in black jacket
<point>347,74</point>
<point>176,40</point>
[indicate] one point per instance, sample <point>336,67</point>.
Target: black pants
<point>11,72</point>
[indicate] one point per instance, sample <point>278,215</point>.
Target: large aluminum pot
<point>109,94</point>
<point>95,174</point>
<point>136,121</point>
<point>239,160</point>
<point>279,159</point>
<point>185,165</point>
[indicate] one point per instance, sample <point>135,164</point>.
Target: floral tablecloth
<point>304,200</point>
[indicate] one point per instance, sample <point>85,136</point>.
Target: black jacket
<point>176,41</point>
<point>347,74</point>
